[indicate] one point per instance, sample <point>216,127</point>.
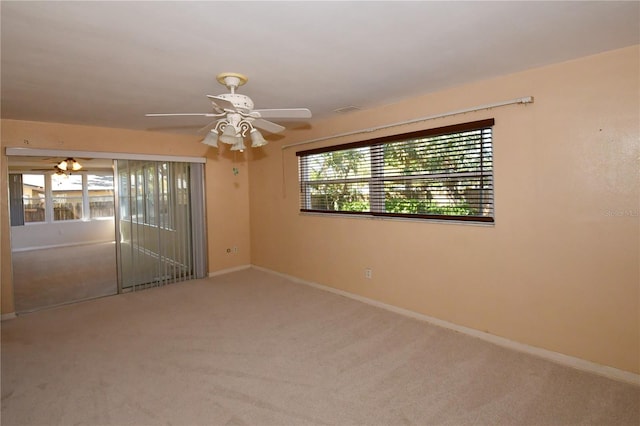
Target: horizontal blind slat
<point>422,175</point>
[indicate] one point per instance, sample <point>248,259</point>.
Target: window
<point>33,198</point>
<point>100,193</point>
<point>53,197</point>
<point>67,197</point>
<point>443,173</point>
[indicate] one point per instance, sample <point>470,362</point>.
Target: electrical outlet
<point>368,273</point>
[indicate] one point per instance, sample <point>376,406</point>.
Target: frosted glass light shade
<point>239,145</point>
<point>211,139</point>
<point>230,135</point>
<point>257,139</point>
<point>69,164</point>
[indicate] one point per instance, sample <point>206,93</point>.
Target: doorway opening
<point>114,226</point>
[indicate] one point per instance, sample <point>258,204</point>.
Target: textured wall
<point>559,269</point>
<point>227,193</point>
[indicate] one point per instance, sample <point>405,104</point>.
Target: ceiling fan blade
<point>198,114</point>
<point>221,103</point>
<point>267,125</point>
<point>284,113</point>
<point>208,127</point>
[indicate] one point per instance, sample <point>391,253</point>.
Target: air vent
<point>346,109</point>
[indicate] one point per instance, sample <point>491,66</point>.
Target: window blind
<point>442,173</point>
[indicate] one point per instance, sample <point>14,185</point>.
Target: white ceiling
<point>109,63</point>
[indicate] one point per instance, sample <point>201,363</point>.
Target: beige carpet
<point>54,276</point>
<point>251,348</point>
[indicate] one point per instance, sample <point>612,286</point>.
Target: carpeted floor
<point>49,277</point>
<point>251,348</point>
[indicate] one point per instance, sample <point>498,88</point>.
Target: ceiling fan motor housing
<point>241,102</point>
<point>233,111</point>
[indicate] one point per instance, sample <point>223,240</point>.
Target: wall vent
<point>346,109</point>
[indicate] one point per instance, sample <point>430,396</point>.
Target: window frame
<point>376,180</point>
<point>50,196</point>
<point>58,202</point>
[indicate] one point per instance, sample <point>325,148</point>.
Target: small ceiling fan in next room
<point>235,117</point>
<point>60,167</point>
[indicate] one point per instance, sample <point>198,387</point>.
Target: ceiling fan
<point>61,167</point>
<point>235,117</point>
<point>68,164</point>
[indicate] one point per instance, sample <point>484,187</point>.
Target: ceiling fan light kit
<point>235,117</point>
<point>211,139</point>
<point>69,164</point>
<point>239,145</point>
<point>256,139</point>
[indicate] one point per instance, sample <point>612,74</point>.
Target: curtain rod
<point>525,100</point>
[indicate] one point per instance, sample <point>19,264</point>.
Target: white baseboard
<point>84,243</point>
<point>9,316</point>
<point>558,358</point>
<point>229,270</point>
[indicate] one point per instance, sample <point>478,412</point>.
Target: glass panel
<point>100,189</point>
<point>124,193</point>
<point>454,153</point>
<point>137,190</point>
<point>425,196</point>
<point>150,194</point>
<point>443,175</point>
<point>33,198</point>
<point>155,238</point>
<point>67,197</point>
<point>165,219</point>
<point>345,164</point>
<point>350,197</point>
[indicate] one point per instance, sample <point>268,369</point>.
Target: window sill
<point>365,216</point>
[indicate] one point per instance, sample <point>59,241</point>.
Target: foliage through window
<point>444,173</point>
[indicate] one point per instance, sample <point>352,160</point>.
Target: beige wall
<point>559,270</point>
<point>227,193</point>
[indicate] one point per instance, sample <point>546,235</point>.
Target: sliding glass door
<point>160,223</point>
